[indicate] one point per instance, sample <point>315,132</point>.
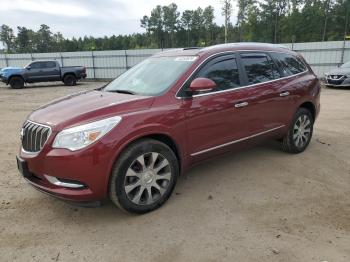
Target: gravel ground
<point>258,205</point>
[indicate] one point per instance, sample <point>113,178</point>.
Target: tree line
<point>273,21</point>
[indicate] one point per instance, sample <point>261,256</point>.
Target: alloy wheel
<point>302,131</point>
<point>147,178</point>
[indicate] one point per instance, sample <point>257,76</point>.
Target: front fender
<point>147,131</point>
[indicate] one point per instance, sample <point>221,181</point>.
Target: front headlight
<point>78,137</point>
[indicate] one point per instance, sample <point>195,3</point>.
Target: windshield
<point>346,65</point>
<point>152,76</point>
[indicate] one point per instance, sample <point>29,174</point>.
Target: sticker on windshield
<point>186,58</point>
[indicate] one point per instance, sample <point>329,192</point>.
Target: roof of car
<point>192,51</point>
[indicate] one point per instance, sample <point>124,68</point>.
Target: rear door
<point>263,89</point>
<point>52,71</point>
<point>291,87</point>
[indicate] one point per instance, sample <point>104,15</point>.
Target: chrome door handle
<point>243,104</point>
<point>284,94</point>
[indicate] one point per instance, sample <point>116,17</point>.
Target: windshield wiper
<point>122,91</point>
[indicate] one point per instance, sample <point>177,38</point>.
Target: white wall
<point>322,56</point>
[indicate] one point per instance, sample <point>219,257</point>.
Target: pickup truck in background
<point>42,71</point>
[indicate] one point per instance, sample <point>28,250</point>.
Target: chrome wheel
<point>302,131</point>
<point>147,178</point>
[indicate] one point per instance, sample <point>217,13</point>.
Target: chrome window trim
<point>236,141</point>
<point>48,135</point>
<point>238,88</point>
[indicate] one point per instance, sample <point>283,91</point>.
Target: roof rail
<point>190,48</point>
<point>246,43</point>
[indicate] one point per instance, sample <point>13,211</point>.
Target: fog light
<point>63,182</point>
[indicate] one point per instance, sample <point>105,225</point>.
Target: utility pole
<point>226,12</point>
<point>345,34</point>
<point>276,22</point>
<point>325,21</point>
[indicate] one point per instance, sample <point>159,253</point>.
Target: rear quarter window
<point>289,64</point>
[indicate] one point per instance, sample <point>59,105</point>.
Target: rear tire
<point>16,82</point>
<point>299,133</point>
<point>143,177</point>
<point>70,80</point>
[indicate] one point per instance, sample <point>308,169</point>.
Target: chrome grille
<point>336,77</point>
<point>34,136</point>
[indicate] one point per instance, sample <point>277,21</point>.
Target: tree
<point>186,23</point>
<point>226,12</point>
<point>171,21</point>
<point>24,40</point>
<point>7,37</point>
<point>273,21</point>
<point>208,24</point>
<point>43,39</point>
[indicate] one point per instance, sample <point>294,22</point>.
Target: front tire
<point>299,133</point>
<point>16,82</point>
<point>70,80</point>
<point>144,176</point>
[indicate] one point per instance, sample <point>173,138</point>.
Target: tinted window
<point>50,64</point>
<point>36,65</point>
<point>289,64</point>
<point>224,72</point>
<point>259,68</point>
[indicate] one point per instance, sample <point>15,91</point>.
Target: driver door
<point>218,118</point>
<point>34,72</point>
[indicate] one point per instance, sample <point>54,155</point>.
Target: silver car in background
<point>339,77</point>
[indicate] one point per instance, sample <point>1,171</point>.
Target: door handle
<point>284,94</point>
<point>243,104</point>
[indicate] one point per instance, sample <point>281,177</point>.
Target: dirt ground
<point>257,205</point>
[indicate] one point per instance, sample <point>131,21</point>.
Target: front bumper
<point>342,82</point>
<point>3,79</point>
<point>89,167</point>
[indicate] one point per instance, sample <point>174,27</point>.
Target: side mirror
<point>28,67</point>
<point>202,85</point>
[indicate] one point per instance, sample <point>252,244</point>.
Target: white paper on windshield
<point>186,58</point>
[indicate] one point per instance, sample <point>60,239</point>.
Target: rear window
<point>259,67</point>
<point>289,64</point>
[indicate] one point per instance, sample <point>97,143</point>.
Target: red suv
<point>131,139</point>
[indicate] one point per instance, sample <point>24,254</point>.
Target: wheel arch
<point>16,75</point>
<point>309,106</point>
<point>69,73</point>
<point>161,137</point>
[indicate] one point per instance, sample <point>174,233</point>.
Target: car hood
<point>87,106</point>
<point>11,70</point>
<point>339,71</point>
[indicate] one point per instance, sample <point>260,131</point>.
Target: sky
<point>75,18</point>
